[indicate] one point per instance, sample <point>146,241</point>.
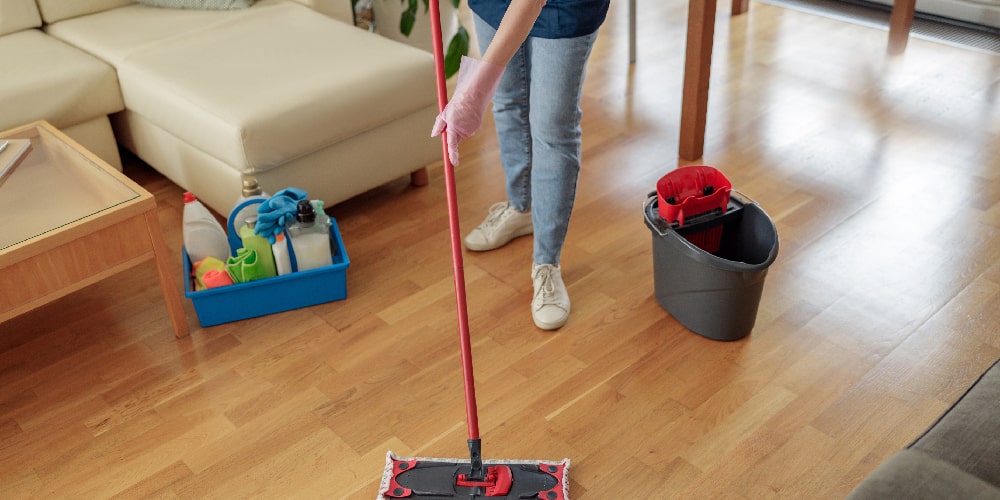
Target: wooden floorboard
<point>882,175</point>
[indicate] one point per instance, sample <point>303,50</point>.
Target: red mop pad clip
<point>558,472</point>
<point>497,482</point>
<point>399,467</point>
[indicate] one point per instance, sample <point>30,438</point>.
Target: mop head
<point>444,478</point>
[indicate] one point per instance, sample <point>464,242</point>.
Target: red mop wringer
<point>475,478</point>
<point>690,195</point>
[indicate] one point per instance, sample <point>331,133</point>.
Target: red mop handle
<point>471,415</point>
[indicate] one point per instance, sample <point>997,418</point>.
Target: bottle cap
<point>306,214</point>
<point>189,197</point>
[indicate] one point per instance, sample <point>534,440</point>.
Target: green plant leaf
<point>458,47</point>
<point>427,6</point>
<point>455,3</point>
<point>408,18</point>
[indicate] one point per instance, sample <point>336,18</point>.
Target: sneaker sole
<point>483,248</point>
<point>550,326</point>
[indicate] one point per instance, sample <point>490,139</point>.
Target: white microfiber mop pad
<point>390,457</point>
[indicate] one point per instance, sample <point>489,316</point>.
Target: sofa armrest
<point>958,456</point>
<point>967,435</point>
<point>915,475</point>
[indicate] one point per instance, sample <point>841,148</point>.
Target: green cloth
<point>263,248</point>
<point>245,266</point>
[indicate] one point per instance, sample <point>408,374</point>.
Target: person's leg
<point>557,69</point>
<point>508,220</point>
<point>510,114</point>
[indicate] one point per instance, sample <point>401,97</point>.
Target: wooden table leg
<point>697,69</point>
<point>171,296</point>
<point>900,22</point>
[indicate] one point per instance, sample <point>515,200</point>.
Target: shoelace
<point>548,288</point>
<point>497,212</point>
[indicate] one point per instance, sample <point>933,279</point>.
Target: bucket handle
<point>645,213</point>
<point>649,199</point>
<point>744,196</point>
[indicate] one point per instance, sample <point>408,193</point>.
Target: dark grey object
<point>957,457</point>
<point>715,295</point>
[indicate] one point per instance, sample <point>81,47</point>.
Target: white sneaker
<point>503,224</point>
<point>550,305</point>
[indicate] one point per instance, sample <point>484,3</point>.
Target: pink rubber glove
<point>477,81</point>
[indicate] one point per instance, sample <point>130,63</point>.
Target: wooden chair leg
<point>419,177</point>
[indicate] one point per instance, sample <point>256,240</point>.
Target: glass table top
<point>54,186</point>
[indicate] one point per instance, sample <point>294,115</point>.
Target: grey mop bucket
<point>713,294</point>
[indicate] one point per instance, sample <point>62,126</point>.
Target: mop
<point>475,478</point>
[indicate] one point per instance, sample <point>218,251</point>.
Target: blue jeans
<point>537,113</point>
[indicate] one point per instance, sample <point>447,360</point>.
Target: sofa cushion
<point>115,34</point>
<point>17,15</point>
<point>199,4</point>
<point>57,10</point>
<point>325,81</point>
<point>44,78</point>
<point>340,10</point>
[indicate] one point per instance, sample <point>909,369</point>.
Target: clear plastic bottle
<point>279,249</point>
<point>203,235</point>
<point>310,238</point>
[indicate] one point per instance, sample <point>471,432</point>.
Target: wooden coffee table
<point>68,220</point>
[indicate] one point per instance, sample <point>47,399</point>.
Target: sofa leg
<point>419,177</point>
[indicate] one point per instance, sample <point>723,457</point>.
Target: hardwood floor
<point>881,173</point>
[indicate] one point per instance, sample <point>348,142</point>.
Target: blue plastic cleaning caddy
<point>272,295</point>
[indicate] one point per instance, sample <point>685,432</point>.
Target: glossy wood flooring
<point>882,175</point>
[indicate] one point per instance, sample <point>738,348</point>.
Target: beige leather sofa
<point>289,92</point>
<point>44,78</point>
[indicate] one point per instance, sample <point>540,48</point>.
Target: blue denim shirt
<point>559,18</point>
